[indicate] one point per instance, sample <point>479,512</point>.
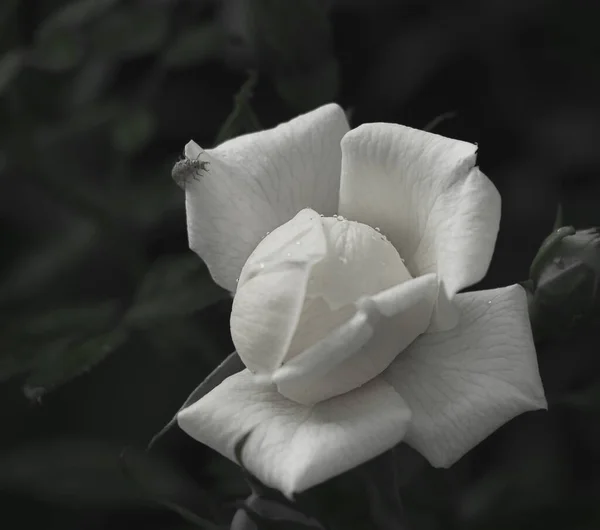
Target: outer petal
<point>428,198</point>
<point>293,447</point>
<point>363,347</point>
<point>257,182</point>
<point>463,384</point>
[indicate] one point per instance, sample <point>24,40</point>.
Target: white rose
<point>350,327</point>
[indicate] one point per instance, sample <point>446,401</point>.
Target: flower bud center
<point>303,281</point>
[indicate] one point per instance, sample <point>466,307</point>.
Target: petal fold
<point>363,347</point>
<point>427,196</point>
<point>462,385</point>
<point>292,447</point>
<point>257,182</point>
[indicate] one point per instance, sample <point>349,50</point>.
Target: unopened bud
<point>564,278</point>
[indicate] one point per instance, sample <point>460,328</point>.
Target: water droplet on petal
<point>268,233</point>
<point>298,242</point>
<point>489,302</point>
<point>322,215</point>
<point>289,254</point>
<point>262,265</point>
<point>237,280</point>
<point>378,229</point>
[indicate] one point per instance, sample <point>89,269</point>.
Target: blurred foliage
<point>110,321</point>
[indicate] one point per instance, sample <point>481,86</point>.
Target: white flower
<point>350,327</point>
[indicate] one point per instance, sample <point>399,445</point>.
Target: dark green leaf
<point>194,46</point>
<point>95,75</point>
<point>585,399</point>
<point>288,34</point>
<point>8,10</point>
<point>58,367</point>
<point>435,122</point>
<point>32,341</point>
<point>87,473</point>
<point>231,365</point>
<point>75,15</point>
<point>306,90</point>
<point>11,64</point>
<point>174,286</point>
<point>17,358</point>
<point>260,513</point>
<point>85,121</point>
<point>133,130</point>
<point>57,51</point>
<point>150,479</point>
<point>381,482</point>
<point>130,32</point>
<point>242,118</point>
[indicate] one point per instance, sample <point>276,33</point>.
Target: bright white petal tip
<point>426,194</point>
<point>259,181</point>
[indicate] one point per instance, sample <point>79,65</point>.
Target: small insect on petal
<point>187,169</point>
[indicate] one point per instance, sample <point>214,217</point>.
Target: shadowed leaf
<point>231,365</point>
<point>58,367</point>
<point>11,64</point>
<point>242,118</point>
<point>174,286</point>
<point>87,473</point>
<point>56,345</point>
<point>194,46</point>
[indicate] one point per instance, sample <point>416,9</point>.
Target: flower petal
<point>292,447</point>
<point>463,384</point>
<point>427,196</point>
<point>271,291</point>
<point>257,182</point>
<point>363,347</point>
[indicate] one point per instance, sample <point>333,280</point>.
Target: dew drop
<point>289,254</point>
<point>262,265</point>
<point>378,229</point>
<point>298,242</point>
<point>321,215</point>
<point>237,280</point>
<point>268,233</point>
<point>489,302</point>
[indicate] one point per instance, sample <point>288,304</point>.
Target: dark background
<point>109,321</point>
